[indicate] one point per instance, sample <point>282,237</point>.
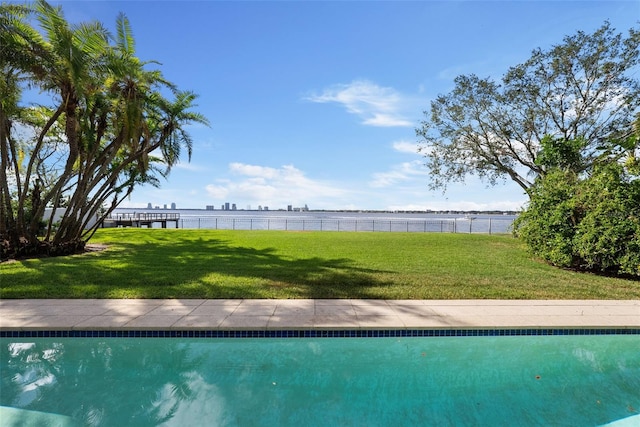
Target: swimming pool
<point>490,380</point>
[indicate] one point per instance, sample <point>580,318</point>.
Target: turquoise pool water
<point>452,381</point>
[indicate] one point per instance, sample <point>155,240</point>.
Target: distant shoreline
<point>354,211</point>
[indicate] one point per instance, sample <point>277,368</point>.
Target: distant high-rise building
<point>210,207</point>
<point>233,207</point>
<point>289,208</point>
<point>165,206</point>
<point>149,205</point>
<point>226,206</point>
<point>173,206</point>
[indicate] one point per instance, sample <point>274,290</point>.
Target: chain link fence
<point>457,225</point>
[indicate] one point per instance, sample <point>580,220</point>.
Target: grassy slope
<point>142,263</point>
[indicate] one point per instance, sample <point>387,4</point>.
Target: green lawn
<point>157,263</point>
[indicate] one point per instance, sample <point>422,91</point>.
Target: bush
<point>548,224</point>
<point>589,224</point>
<point>607,239</point>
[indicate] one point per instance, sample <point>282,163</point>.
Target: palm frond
<point>124,39</point>
<point>92,38</point>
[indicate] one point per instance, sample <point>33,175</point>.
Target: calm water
<point>474,381</point>
<point>333,221</point>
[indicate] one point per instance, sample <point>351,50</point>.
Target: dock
<point>142,219</point>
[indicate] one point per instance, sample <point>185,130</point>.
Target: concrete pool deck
<point>310,314</point>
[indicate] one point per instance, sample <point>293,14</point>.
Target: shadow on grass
<point>202,268</point>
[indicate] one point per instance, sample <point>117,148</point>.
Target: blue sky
<point>316,102</point>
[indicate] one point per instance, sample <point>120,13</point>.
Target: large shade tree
<point>105,123</point>
<point>564,126</point>
<point>584,92</point>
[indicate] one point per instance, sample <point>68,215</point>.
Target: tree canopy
<point>565,126</point>
<point>585,90</point>
<point>105,123</point>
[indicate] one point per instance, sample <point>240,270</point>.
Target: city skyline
<point>230,207</point>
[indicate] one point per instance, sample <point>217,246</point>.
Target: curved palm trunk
<point>8,229</point>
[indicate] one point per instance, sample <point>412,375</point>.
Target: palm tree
<point>108,113</point>
<point>20,45</point>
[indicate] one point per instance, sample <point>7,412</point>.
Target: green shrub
<point>607,239</point>
<point>591,223</point>
<point>547,226</point>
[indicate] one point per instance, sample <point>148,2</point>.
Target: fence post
<point>372,224</point>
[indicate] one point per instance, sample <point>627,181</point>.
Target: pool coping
<point>306,317</point>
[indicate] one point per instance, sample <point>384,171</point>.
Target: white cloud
<point>406,147</point>
<point>217,191</point>
<point>253,170</point>
<point>376,105</point>
<point>274,187</point>
<point>191,167</point>
<point>399,173</point>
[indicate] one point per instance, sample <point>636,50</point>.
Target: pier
<point>143,219</point>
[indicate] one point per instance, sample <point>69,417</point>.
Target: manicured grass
<point>155,263</point>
